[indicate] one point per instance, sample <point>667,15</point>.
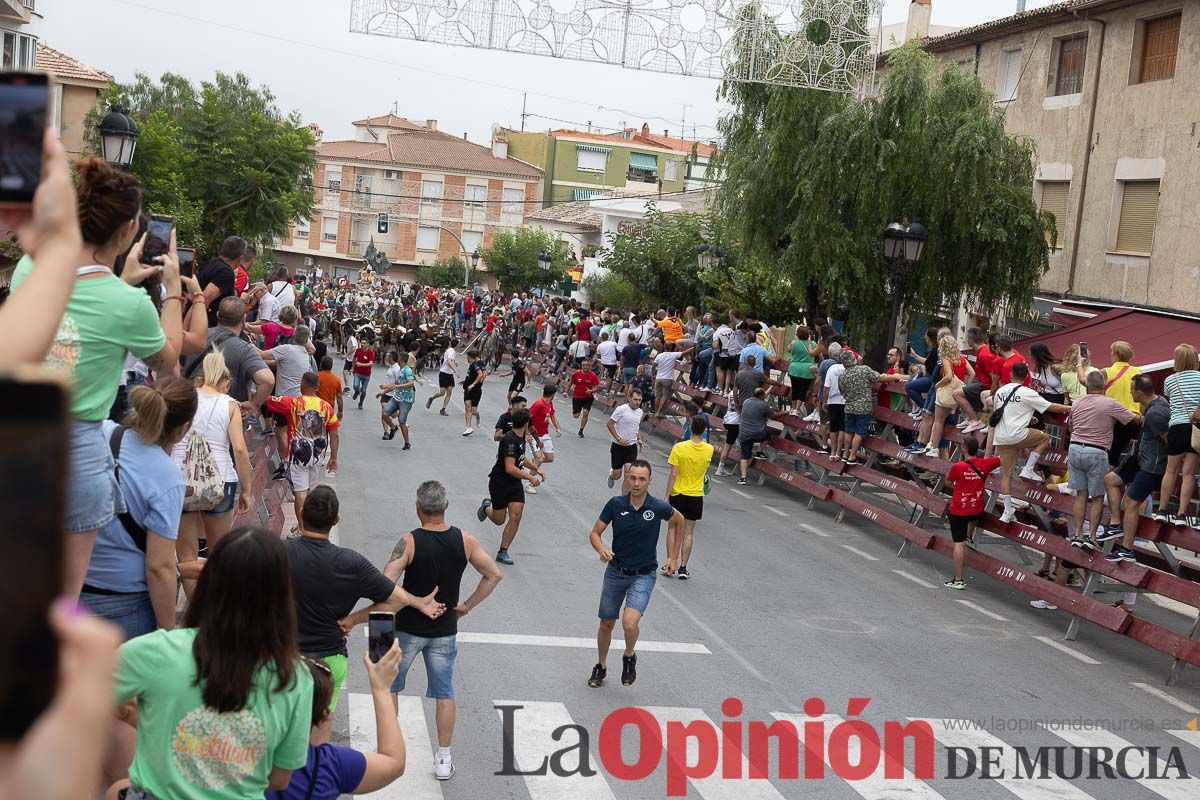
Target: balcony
<point>16,11</point>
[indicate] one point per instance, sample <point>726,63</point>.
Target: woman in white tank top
<point>219,420</point>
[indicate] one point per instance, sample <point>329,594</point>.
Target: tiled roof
<point>683,145</point>
<point>426,149</point>
<point>65,68</point>
<point>390,121</point>
<point>999,26</point>
<point>577,214</point>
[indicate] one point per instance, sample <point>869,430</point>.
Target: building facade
<point>440,195</point>
<point>18,22</point>
<point>75,92</point>
<point>1106,92</point>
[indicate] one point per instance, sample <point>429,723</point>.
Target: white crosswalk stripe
<point>714,787</point>
<point>1191,737</point>
<point>533,743</point>
<point>417,782</point>
<point>1135,762</point>
<point>1051,788</point>
<point>875,786</point>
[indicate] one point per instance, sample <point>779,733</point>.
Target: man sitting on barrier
<point>1015,406</point>
<point>756,413</point>
<point>1152,463</point>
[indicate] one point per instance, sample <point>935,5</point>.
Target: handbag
<point>945,394</point>
<point>204,487</point>
<point>1196,437</point>
<point>998,415</point>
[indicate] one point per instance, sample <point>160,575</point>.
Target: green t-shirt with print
<point>187,751</point>
<point>105,318</point>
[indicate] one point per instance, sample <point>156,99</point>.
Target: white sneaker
<point>468,431</point>
<point>1018,503</point>
<point>813,417</point>
<point>443,768</point>
<point>931,452</point>
<point>1008,516</point>
<point>1030,475</point>
<point>530,488</point>
<point>1043,605</point>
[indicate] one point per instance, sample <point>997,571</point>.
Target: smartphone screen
<point>381,632</point>
<point>158,238</point>
<point>23,100</point>
<point>33,470</point>
<point>187,260</point>
<point>1083,351</point>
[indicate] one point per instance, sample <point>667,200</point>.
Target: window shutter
<point>1139,207</point>
<point>1054,201</point>
<point>1159,48</point>
<point>1072,56</point>
<point>1012,74</point>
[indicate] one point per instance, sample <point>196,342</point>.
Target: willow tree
<point>812,178</point>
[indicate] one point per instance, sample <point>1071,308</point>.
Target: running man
<point>472,390</point>
<point>584,385</point>
<point>348,365</point>
<point>364,362</point>
<point>506,501</point>
<point>625,428</point>
<point>689,462</point>
<point>541,414</point>
<point>390,381</point>
<point>632,564</point>
<point>447,377</point>
<point>403,394</point>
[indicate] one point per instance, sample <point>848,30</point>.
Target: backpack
<point>203,486</point>
<point>136,532</point>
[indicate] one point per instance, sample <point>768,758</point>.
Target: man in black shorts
<point>517,384</point>
<point>446,375</point>
<point>506,501</point>
<point>584,384</point>
<point>472,390</point>
<point>625,428</point>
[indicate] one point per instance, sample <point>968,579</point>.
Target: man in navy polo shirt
<point>637,520</point>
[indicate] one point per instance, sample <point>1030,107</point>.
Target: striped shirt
<point>1183,391</point>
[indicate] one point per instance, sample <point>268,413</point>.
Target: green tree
<point>613,291</point>
<point>444,273</point>
<point>812,178</point>
<point>221,157</point>
<point>658,256</point>
<point>513,259</point>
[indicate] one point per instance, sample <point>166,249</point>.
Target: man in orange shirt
<point>670,327</point>
<point>329,386</point>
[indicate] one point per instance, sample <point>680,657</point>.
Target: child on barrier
<point>968,477</point>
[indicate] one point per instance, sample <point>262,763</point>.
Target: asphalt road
<point>785,605</point>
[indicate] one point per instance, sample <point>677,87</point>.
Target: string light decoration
<point>810,44</point>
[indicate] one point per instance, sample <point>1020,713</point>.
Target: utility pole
<point>524,97</point>
<point>683,121</point>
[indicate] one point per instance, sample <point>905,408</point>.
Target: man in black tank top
<point>435,556</point>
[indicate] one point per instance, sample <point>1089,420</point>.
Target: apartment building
<point>1106,92</point>
<point>440,195</point>
<point>17,20</point>
<point>76,90</point>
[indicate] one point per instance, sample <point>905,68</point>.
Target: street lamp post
<point>118,137</point>
<point>473,260</point>
<point>708,255</point>
<point>903,247</point>
<point>544,261</point>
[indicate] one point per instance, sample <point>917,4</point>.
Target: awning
<point>591,148</point>
<point>587,194</point>
<point>643,161</point>
<point>1153,336</point>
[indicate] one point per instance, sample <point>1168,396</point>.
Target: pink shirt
<point>1092,418</point>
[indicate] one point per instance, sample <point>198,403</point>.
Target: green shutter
<point>587,194</point>
<point>643,161</point>
<point>593,149</point>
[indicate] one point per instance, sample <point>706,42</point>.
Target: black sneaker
<point>1121,554</point>
<point>628,669</point>
<point>443,413</point>
<point>407,446</point>
<point>741,481</point>
<point>1075,541</point>
<point>1087,544</point>
<point>683,574</point>
<point>599,673</point>
<point>1109,534</point>
<point>581,433</point>
<point>484,505</point>
<point>429,402</point>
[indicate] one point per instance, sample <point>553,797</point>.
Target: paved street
<point>785,605</point>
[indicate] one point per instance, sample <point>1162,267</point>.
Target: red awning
<point>1154,336</point>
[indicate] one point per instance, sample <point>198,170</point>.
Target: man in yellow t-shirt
<point>1118,379</point>
<point>685,485</point>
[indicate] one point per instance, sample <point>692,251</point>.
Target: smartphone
<point>24,97</point>
<point>1083,351</point>
<point>33,470</point>
<point>381,632</point>
<point>187,260</point>
<point>158,238</point>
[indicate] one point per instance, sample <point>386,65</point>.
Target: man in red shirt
<point>987,376</point>
<point>1008,355</point>
<point>469,313</point>
<point>541,414</point>
<point>364,361</point>
<point>241,278</point>
<point>968,478</point>
<point>584,383</point>
<point>583,331</point>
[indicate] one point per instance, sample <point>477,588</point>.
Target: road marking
<point>740,492</point>
<point>1052,788</point>
<point>534,742</point>
<point>715,787</point>
<point>1137,761</point>
<point>417,782</point>
<point>814,529</point>
<point>1191,737</point>
<point>1166,698</point>
<point>1072,652</point>
<point>984,611</point>
<point>475,637</point>
<point>914,579</point>
<point>875,786</point>
<point>861,553</point>
<point>776,511</point>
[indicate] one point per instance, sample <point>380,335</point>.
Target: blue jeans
<point>132,612</point>
<point>700,367</point>
<point>917,388</point>
<point>360,385</point>
<point>439,654</point>
<point>632,590</point>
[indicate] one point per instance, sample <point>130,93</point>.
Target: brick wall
<point>453,192</point>
<point>448,246</point>
<point>495,194</point>
<point>406,247</point>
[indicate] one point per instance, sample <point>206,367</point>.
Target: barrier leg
<point>1168,556</point>
<point>822,481</point>
<point>1178,664</point>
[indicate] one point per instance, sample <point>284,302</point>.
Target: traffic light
<point>382,227</point>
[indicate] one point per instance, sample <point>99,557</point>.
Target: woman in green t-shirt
<point>801,367</point>
<point>224,703</point>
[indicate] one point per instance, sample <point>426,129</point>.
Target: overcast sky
<point>303,51</point>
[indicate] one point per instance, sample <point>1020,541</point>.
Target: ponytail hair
<point>160,408</point>
<point>214,372</point>
<point>108,199</point>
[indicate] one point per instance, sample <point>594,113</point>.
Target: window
<point>431,193</point>
<point>20,51</point>
<point>428,237</point>
<point>333,181</point>
<point>1072,56</point>
<point>1139,207</point>
<point>1160,44</point>
<point>671,171</point>
<point>472,240</point>
<point>1054,202</point>
<point>329,226</point>
<point>514,201</point>
<point>591,159</point>
<point>362,183</point>
<point>643,167</point>
<point>301,229</point>
<point>474,196</point>
<point>587,194</point>
<point>1010,75</point>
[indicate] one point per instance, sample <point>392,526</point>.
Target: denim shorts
<point>1086,468</point>
<point>632,590</point>
<point>93,495</point>
<point>133,613</point>
<point>859,424</point>
<point>400,408</point>
<point>439,655</point>
<point>227,501</point>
